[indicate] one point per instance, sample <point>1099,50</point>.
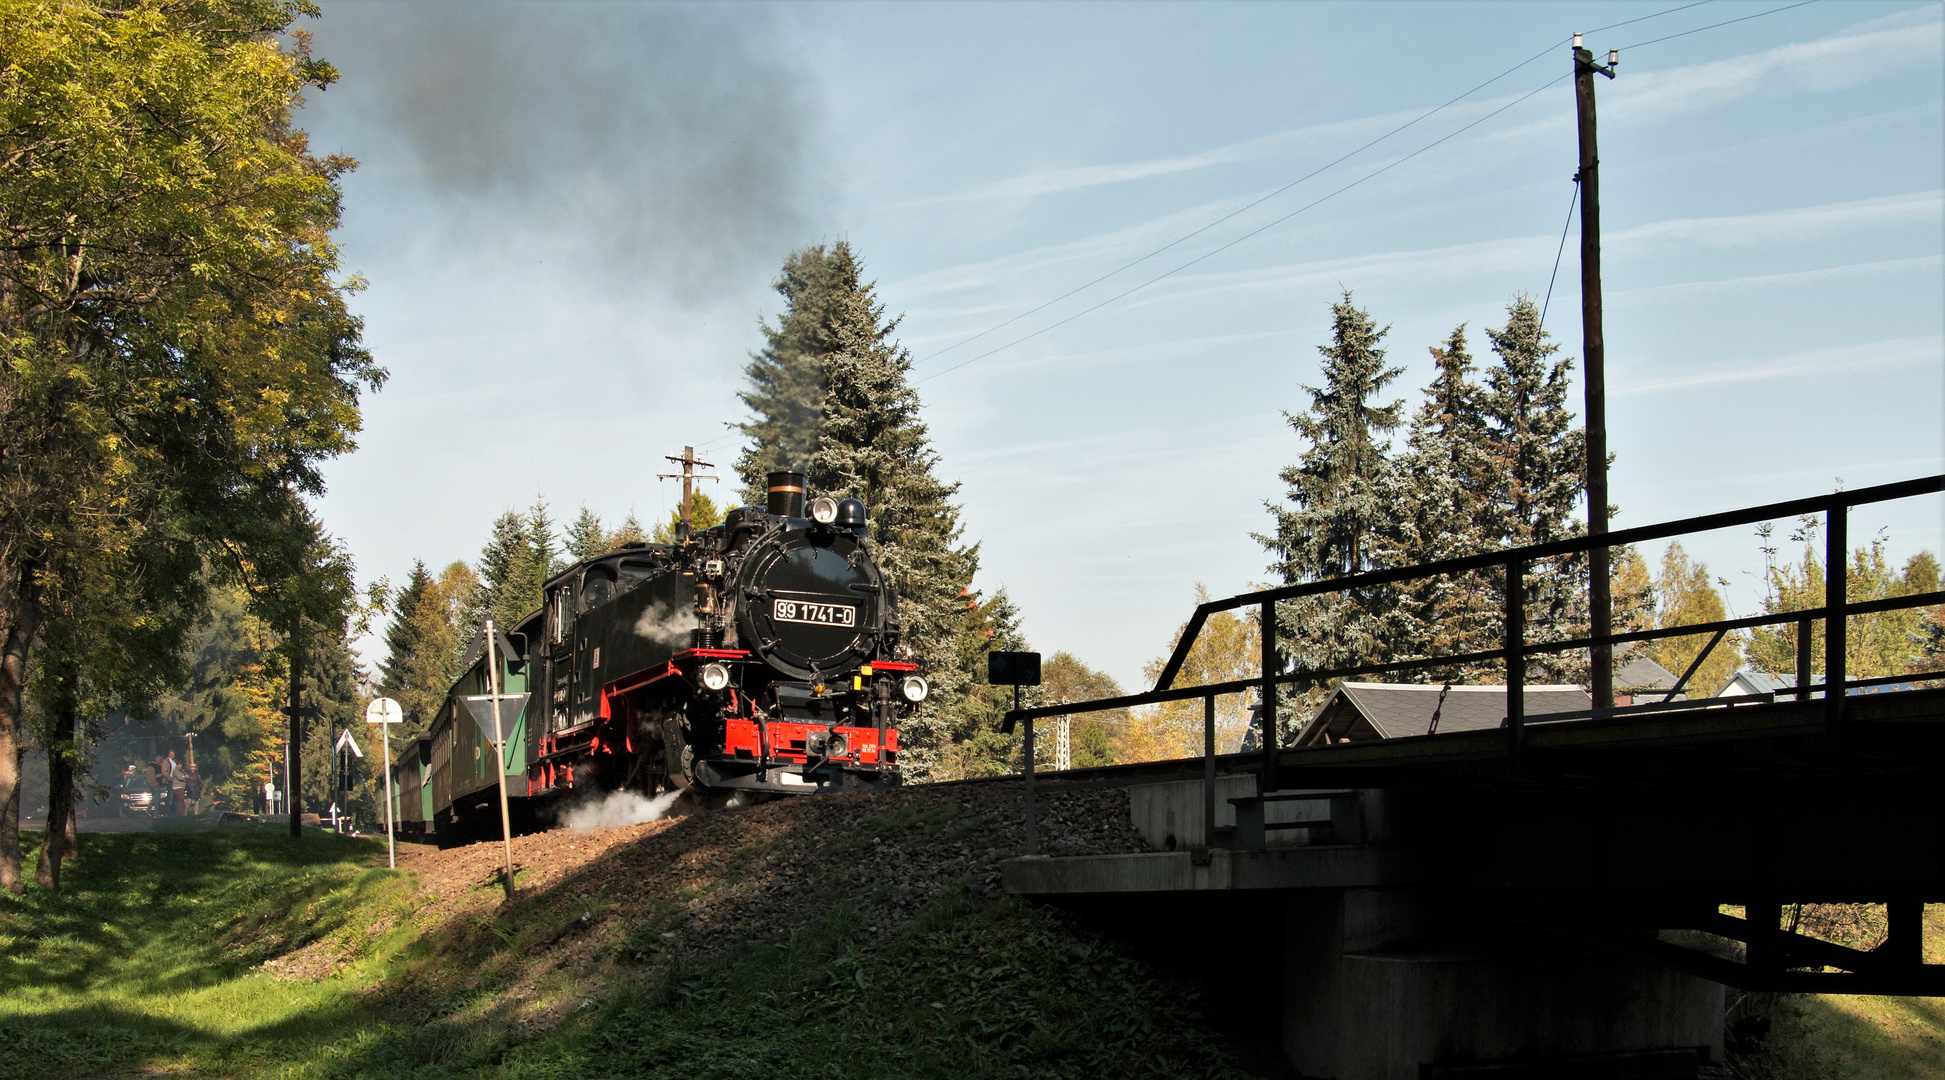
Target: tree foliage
<point>1228,648</point>
<point>1340,501</point>
<point>1877,644</point>
<point>1686,596</point>
<point>703,513</point>
<point>521,553</point>
<point>785,392</point>
<point>424,643</point>
<point>175,349</point>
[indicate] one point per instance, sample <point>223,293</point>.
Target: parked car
<point>141,802</point>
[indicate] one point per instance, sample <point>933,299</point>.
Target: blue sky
<point>569,216</point>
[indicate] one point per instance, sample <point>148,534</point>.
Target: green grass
<point>154,961</point>
<point>153,952</point>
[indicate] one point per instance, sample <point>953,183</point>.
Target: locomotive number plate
<point>799,611</point>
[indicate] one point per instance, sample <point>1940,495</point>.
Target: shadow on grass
<point>584,979</point>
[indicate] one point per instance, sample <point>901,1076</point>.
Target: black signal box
<point>1013,668</point>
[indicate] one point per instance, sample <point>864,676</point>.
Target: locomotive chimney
<point>787,494</point>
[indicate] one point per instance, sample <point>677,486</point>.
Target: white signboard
<point>384,711</point>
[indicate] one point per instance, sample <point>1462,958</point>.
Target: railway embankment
<point>856,935</point>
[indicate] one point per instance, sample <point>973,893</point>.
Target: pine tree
<point>585,538</point>
<point>543,549</point>
<point>1342,496</point>
<point>422,648</point>
<point>630,532</point>
<point>506,592</point>
<point>1444,475</point>
<point>873,445</point>
<point>1540,459</point>
<point>973,744</point>
<point>786,377</point>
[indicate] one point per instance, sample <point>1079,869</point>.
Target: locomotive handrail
<point>1515,650</point>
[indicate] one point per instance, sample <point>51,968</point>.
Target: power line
<point>1713,26</point>
<point>1314,172</point>
<point>1562,251</point>
<point>1256,231</point>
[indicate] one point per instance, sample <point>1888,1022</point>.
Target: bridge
<point>1567,894</point>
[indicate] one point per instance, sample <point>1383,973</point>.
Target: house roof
<point>1635,672</point>
<point>1395,710</point>
<point>1752,681</point>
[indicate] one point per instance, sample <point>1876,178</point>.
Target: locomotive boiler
<point>762,655</point>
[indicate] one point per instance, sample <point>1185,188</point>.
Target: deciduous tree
<point>1686,596</point>
<point>173,334</point>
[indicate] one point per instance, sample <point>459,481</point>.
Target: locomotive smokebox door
<point>1013,668</point>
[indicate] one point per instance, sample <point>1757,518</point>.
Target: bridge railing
<point>1515,650</point>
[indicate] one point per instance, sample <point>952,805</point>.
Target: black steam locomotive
<point>760,655</point>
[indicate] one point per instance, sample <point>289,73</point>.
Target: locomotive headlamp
<point>823,510</point>
<point>915,689</point>
<point>715,676</point>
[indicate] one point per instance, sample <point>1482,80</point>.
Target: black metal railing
<point>1515,651</point>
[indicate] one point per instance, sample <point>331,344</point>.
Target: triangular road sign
<point>479,707</point>
<point>345,739</point>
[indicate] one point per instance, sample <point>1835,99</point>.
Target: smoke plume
<point>649,144</point>
<point>619,808</point>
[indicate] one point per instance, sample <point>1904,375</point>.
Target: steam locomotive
<point>762,655</point>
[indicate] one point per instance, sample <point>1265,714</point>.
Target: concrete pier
<point>1384,974</point>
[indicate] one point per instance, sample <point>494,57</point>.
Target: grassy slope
<point>157,959</point>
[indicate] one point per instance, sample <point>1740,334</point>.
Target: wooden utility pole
<point>499,752</point>
<point>688,461</point>
<point>1593,352</point>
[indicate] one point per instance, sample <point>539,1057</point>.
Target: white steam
<point>619,808</point>
<point>666,625</point>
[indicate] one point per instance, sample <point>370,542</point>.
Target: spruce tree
<point>1539,457</point>
<point>506,591</point>
<point>421,650</point>
<point>974,745</point>
<point>873,445</point>
<point>1444,475</point>
<point>1340,499</point>
<point>543,549</point>
<point>585,537</point>
<point>786,377</point>
<point>630,532</point>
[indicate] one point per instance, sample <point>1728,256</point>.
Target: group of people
<point>174,790</point>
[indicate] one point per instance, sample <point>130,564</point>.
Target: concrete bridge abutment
<point>1375,971</point>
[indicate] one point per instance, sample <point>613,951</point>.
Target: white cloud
<point>1794,225</point>
<point>1837,359</point>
